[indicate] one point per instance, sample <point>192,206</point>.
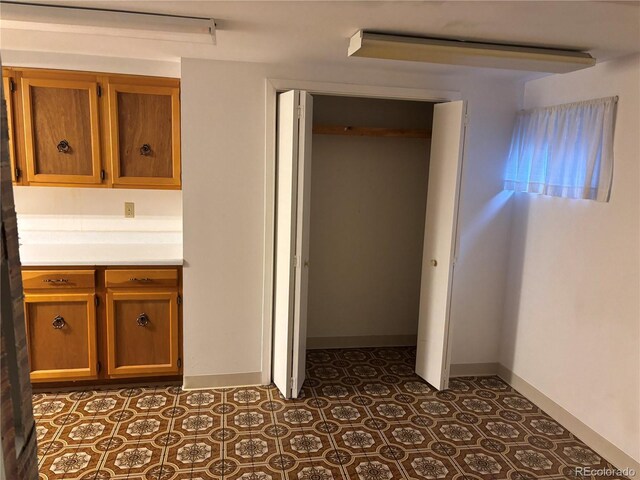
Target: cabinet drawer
<point>142,278</point>
<point>58,279</point>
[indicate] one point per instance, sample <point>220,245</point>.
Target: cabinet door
<point>145,135</point>
<point>142,333</point>
<point>61,336</point>
<point>62,141</point>
<point>7,83</point>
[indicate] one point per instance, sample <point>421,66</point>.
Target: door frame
<point>273,86</point>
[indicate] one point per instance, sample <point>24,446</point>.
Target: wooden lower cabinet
<point>61,334</point>
<point>142,332</point>
<point>79,328</point>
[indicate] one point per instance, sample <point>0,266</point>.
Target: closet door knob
<point>145,150</point>
<point>434,262</point>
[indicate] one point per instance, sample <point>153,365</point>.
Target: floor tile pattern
<point>363,415</point>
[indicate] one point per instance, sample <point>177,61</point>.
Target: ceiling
<point>311,32</point>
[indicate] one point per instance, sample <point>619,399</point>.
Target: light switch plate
<point>129,210</point>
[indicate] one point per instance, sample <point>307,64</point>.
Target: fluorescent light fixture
<point>53,18</point>
<point>473,54</point>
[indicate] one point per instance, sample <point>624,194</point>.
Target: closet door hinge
<point>102,175</point>
<point>179,363</point>
<point>300,111</point>
<point>296,261</point>
<point>12,85</point>
<point>99,90</point>
<point>96,300</point>
<point>98,367</point>
<point>466,119</point>
<point>179,300</point>
<point>17,173</point>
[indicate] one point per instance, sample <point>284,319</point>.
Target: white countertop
<point>48,255</point>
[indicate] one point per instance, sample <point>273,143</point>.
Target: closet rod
<point>371,131</point>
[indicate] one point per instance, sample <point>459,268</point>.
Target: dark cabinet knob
<point>58,322</point>
<point>145,150</point>
<point>64,147</point>
<point>142,320</point>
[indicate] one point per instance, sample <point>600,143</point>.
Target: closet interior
<point>369,177</point>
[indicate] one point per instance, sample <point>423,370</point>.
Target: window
<point>564,150</point>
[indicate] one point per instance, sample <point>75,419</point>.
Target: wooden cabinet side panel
<point>8,81</point>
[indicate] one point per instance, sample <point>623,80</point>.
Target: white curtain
<point>564,150</point>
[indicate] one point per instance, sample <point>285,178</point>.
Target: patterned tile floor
<point>363,415</point>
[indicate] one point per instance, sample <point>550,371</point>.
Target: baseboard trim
<point>196,382</point>
<point>362,341</point>
<point>593,439</point>
<point>473,369</point>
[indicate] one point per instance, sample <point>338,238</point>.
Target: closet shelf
<point>371,131</point>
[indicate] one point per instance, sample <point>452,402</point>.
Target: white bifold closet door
<point>292,242</point>
<point>293,189</point>
<point>440,239</point>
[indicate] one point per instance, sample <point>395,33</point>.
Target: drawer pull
<point>56,280</point>
<point>58,322</point>
<point>143,320</point>
<point>145,279</point>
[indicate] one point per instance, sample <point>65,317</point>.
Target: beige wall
<point>572,318</point>
<point>224,158</point>
<point>368,197</point>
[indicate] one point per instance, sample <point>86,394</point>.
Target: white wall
<point>89,63</point>
<point>223,152</point>
<point>96,201</point>
<point>368,199</point>
<point>572,317</point>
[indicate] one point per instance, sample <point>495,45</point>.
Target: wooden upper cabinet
<point>61,128</point>
<point>144,128</point>
<point>93,130</point>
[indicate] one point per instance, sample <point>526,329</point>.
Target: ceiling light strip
<point>474,54</point>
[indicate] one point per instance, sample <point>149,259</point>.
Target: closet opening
<point>369,179</point>
<point>365,229</point>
